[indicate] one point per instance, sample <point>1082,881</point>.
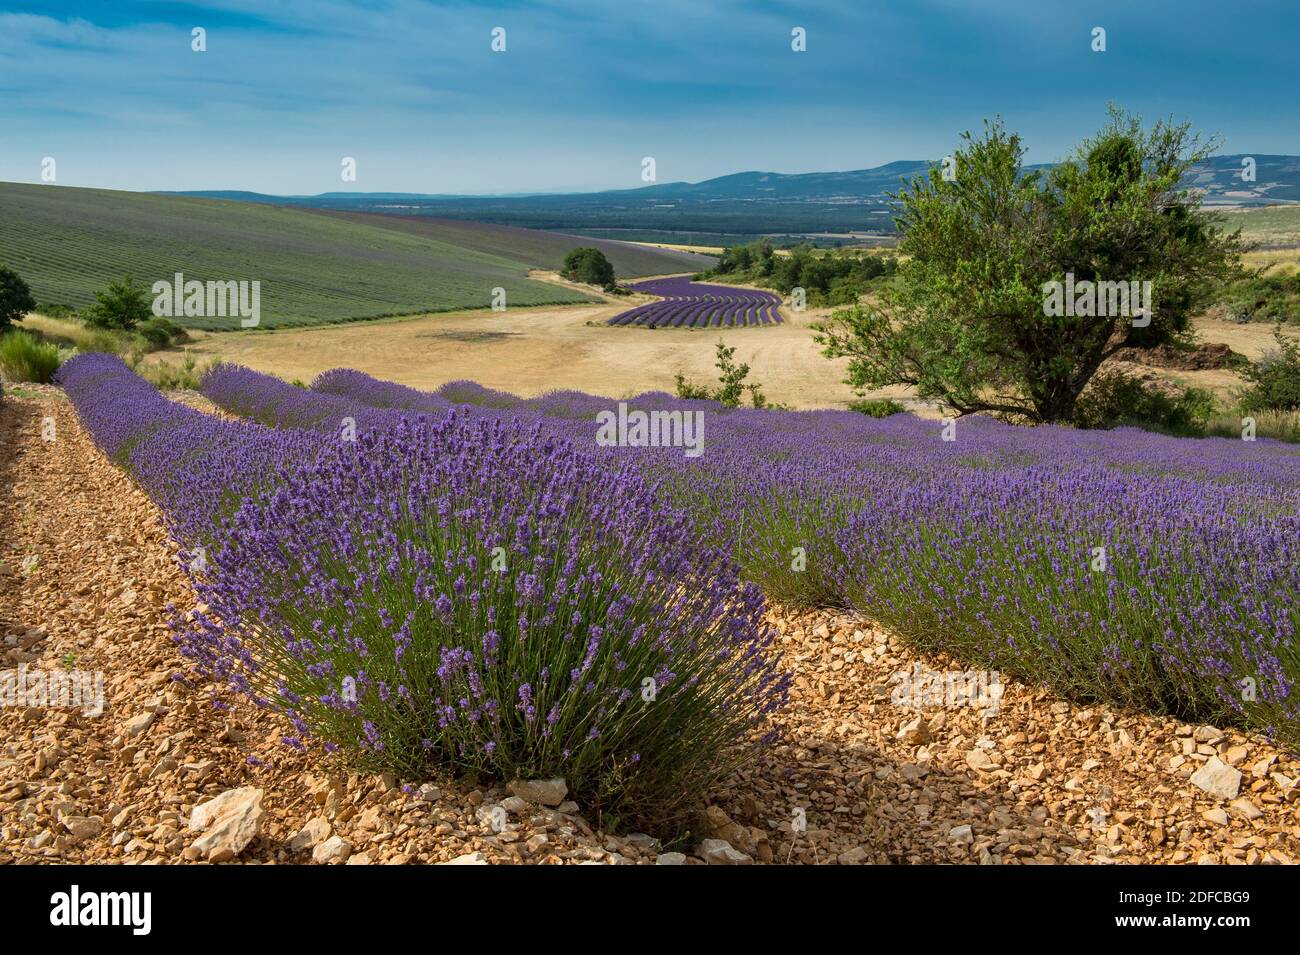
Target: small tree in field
<point>970,320</point>
<point>15,298</point>
<point>123,305</point>
<point>731,383</point>
<point>589,266</point>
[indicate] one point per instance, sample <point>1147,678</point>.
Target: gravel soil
<point>86,573</point>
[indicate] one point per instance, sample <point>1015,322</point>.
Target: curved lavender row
<point>466,594</point>
<point>1192,607</point>
<point>567,414</point>
<point>331,408</point>
<point>346,383</point>
<point>977,551</point>
<point>624,318</point>
<point>686,316</point>
<point>270,401</point>
<point>985,545</point>
<point>846,445</point>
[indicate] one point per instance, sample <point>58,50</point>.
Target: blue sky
<point>584,90</point>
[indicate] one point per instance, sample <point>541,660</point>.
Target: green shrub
<point>827,278</point>
<point>15,298</point>
<point>1117,399</point>
<point>1275,378</point>
<point>101,339</point>
<point>1274,297</point>
<point>731,380</point>
<point>160,332</point>
<point>877,407</point>
<point>24,357</point>
<point>55,311</point>
<point>122,305</point>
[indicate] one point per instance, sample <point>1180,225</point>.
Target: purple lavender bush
<point>466,595</point>
<point>457,594</point>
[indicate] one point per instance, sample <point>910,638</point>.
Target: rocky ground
<point>162,776</point>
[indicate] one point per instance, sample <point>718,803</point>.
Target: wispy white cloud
<point>587,88</point>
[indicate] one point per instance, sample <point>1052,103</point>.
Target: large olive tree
<point>974,319</point>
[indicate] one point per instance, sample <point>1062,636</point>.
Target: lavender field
<point>556,434</point>
<point>467,579</point>
<point>687,304</point>
<point>1157,572</point>
<point>450,591</point>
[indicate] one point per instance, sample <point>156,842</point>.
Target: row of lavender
<point>1157,572</point>
<point>449,590</point>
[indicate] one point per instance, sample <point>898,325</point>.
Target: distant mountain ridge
<point>852,201</point>
<point>1277,179</point>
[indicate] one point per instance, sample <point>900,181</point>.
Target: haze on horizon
<point>584,91</point>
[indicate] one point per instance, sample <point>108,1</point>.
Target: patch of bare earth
<point>1040,780</point>
<point>1206,356</point>
<point>1250,340</point>
<point>858,778</point>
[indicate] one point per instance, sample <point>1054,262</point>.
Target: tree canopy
<point>1015,284</point>
<point>15,298</point>
<point>588,265</point>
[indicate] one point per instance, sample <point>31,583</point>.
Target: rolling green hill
<point>540,249</point>
<point>313,268</point>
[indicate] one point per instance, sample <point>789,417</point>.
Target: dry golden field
<point>529,351</point>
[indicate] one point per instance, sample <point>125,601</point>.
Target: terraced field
<point>314,269</point>
<point>687,304</point>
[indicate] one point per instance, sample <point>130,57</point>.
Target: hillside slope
<point>69,242</point>
<point>536,247</point>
